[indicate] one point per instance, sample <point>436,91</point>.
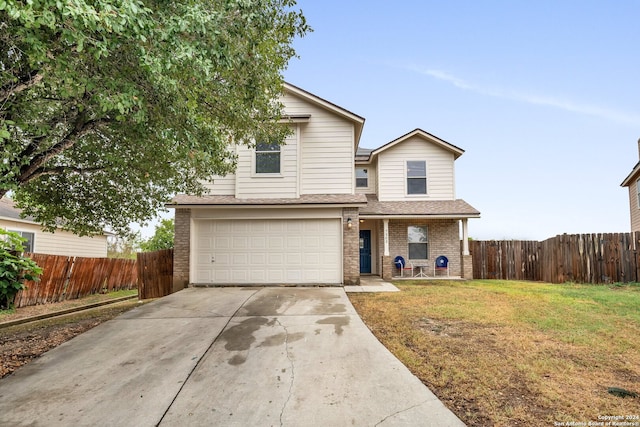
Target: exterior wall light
<point>349,224</point>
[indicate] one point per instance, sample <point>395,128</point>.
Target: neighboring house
<point>318,210</point>
<point>633,182</point>
<point>42,242</point>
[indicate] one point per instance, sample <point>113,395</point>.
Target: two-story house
<point>317,210</point>
<point>632,181</point>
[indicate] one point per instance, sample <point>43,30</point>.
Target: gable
<point>292,109</point>
<point>419,134</point>
<point>392,170</point>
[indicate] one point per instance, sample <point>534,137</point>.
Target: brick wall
<point>467,267</point>
<point>351,247</point>
<point>443,239</point>
<point>181,247</point>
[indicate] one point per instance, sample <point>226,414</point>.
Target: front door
<point>365,251</point>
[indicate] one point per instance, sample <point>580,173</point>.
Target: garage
<point>267,251</point>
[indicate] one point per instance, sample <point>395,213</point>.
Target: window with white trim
<point>417,239</point>
<point>362,178</point>
<point>30,239</point>
<point>638,192</point>
<point>267,157</point>
<point>416,177</point>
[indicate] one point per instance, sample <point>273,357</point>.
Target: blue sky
<point>543,96</point>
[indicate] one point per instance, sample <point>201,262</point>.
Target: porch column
<point>387,269</point>
<point>465,237</point>
<point>385,222</point>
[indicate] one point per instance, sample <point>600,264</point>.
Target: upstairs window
<point>362,178</point>
<point>416,177</point>
<point>267,157</point>
<point>417,239</point>
<point>638,192</point>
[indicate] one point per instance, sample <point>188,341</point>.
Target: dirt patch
<point>23,343</point>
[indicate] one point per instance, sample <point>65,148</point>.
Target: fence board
<point>66,278</point>
<point>155,274</point>
<point>582,258</point>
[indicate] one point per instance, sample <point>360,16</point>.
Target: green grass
<point>114,295</point>
<point>515,353</point>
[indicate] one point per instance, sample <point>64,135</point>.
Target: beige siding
<point>222,185</point>
<point>284,185</point>
<point>633,205</point>
<point>327,149</point>
<point>392,171</point>
<point>372,171</point>
<point>61,242</point>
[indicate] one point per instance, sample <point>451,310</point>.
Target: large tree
<point>162,237</point>
<point>108,107</point>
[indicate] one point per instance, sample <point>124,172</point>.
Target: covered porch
<point>417,233</point>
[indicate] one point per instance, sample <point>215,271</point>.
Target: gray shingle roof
<point>306,199</point>
<point>450,208</point>
<point>8,210</point>
<point>369,205</point>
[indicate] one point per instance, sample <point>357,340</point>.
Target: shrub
<point>14,267</point>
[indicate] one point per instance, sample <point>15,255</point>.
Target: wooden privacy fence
<point>155,274</point>
<point>65,278</point>
<point>582,258</point>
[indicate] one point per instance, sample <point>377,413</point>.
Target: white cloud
<point>534,99</point>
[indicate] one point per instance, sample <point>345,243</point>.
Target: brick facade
<point>443,239</point>
<point>387,267</point>
<point>467,267</point>
<point>350,247</point>
<point>181,249</point>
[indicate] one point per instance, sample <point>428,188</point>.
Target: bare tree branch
<point>82,128</point>
<point>59,170</point>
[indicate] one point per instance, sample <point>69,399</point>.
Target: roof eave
<point>264,206</point>
<point>629,179</point>
<point>20,220</point>
<point>425,216</point>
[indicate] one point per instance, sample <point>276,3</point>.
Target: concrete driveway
<point>224,357</point>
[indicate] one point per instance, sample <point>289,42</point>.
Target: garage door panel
<point>258,260</point>
<point>258,227</point>
<point>203,258</point>
<point>268,251</point>
<point>276,227</point>
<point>240,260</point>
<point>276,243</point>
<point>295,242</point>
<point>259,242</point>
<point>222,258</point>
<point>311,259</point>
<point>204,244</point>
<point>275,259</point>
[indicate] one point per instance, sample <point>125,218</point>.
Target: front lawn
<point>509,353</point>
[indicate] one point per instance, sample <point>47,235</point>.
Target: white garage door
<point>268,251</point>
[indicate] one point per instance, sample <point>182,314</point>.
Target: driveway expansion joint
<point>195,366</point>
